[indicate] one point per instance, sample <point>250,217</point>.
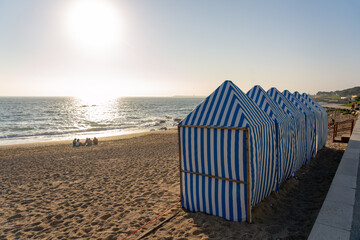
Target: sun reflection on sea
<point>95,112</point>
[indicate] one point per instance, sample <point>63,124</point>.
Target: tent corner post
<point>248,175</point>
<point>179,139</point>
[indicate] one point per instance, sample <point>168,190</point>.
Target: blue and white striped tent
<point>318,120</point>
<point>285,136</point>
<point>310,125</point>
<point>299,120</point>
<point>227,155</point>
<point>324,119</point>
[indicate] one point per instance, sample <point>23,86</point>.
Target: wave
<point>18,129</point>
<point>58,133</point>
<point>50,118</point>
<point>58,130</point>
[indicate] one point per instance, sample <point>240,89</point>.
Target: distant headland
<point>339,96</point>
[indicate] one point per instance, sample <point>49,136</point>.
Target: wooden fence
<point>343,130</point>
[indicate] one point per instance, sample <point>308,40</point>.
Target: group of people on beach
<point>355,106</point>
<point>88,142</point>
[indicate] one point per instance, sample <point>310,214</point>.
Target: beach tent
<point>324,119</point>
<point>318,120</point>
<point>317,117</point>
<point>285,136</point>
<point>310,124</point>
<point>299,120</point>
<point>227,155</point>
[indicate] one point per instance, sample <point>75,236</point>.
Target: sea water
<point>38,119</point>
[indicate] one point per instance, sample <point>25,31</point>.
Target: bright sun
<point>93,25</point>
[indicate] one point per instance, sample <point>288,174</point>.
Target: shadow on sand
<point>287,214</point>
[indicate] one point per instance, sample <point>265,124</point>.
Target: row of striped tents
<point>317,116</point>
<point>226,142</point>
<point>300,124</point>
<point>285,136</point>
<point>309,124</point>
<point>323,131</point>
<point>237,148</point>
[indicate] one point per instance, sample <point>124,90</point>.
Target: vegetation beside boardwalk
<point>349,104</point>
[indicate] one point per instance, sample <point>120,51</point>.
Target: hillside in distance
<point>343,93</point>
<point>338,96</point>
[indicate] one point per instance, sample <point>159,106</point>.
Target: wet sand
<point>55,191</point>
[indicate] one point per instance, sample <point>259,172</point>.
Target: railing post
<point>352,126</point>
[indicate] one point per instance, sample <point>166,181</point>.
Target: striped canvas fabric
<point>214,159</point>
<point>318,120</point>
<point>285,136</point>
<point>215,152</point>
<point>324,119</point>
<point>310,125</point>
<point>299,120</point>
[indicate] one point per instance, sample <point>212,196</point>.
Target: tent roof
<point>227,106</point>
<point>304,101</point>
<point>309,99</point>
<point>284,103</point>
<point>267,104</point>
<point>302,107</point>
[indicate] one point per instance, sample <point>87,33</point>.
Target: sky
<point>183,47</point>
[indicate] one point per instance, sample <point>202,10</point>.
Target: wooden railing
<point>341,128</point>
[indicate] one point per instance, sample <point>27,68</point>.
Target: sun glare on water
<point>93,25</point>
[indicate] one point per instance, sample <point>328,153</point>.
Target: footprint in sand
<point>87,230</point>
<point>56,223</point>
<point>106,216</point>
<point>139,200</point>
<point>38,228</point>
<point>70,216</point>
<point>67,223</point>
<point>94,223</point>
<point>15,217</point>
<point>111,237</point>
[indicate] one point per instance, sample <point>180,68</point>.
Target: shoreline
<point>101,139</point>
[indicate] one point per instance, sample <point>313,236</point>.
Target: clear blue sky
<point>168,47</point>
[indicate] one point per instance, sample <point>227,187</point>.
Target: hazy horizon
<point>44,96</point>
<point>158,48</point>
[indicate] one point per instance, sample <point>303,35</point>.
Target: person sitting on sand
<point>88,142</point>
<point>78,143</point>
<point>74,142</point>
<point>95,141</point>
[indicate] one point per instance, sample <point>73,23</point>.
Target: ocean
<point>40,119</point>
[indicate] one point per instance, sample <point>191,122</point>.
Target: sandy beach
<point>55,191</point>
